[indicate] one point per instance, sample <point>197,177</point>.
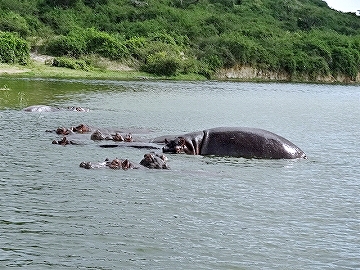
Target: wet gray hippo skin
<point>151,160</point>
<point>45,108</point>
<point>154,161</point>
<point>98,136</point>
<point>115,164</point>
<point>235,142</point>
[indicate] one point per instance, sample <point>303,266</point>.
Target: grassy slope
<point>38,69</point>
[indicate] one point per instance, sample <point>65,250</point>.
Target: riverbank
<point>245,73</point>
<point>39,67</point>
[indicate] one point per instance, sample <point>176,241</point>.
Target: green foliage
<point>166,37</point>
<point>94,3</point>
<point>61,3</point>
<point>158,43</point>
<point>71,63</point>
<point>134,44</point>
<point>60,20</point>
<point>162,64</point>
<point>162,54</point>
<point>13,49</point>
<point>241,48</point>
<point>13,22</point>
<point>66,45</point>
<point>103,43</point>
<point>345,61</point>
<point>88,41</point>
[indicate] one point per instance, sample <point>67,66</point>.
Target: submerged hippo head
<point>86,165</point>
<point>118,137</point>
<point>175,146</point>
<point>81,128</point>
<point>128,138</point>
<point>98,135</point>
<point>154,161</point>
<point>120,164</point>
<point>76,109</point>
<point>62,131</point>
<point>63,141</point>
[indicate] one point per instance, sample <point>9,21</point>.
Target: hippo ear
<point>125,164</point>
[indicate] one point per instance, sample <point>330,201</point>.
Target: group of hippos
<point>221,141</point>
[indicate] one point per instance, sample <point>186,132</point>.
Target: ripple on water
<point>203,213</point>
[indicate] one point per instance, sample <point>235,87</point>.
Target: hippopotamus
<point>82,128</point>
<point>78,132</point>
<point>150,160</point>
<point>98,136</point>
<point>154,161</point>
<point>115,164</point>
<point>234,142</point>
<point>45,108</point>
<point>64,141</point>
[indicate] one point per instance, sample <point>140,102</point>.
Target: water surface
<point>204,213</point>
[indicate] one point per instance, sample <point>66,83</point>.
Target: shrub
<point>213,62</point>
<point>162,64</point>
<point>67,62</point>
<point>61,3</point>
<point>242,48</point>
<point>287,63</point>
<point>190,65</point>
<point>13,49</point>
<point>88,41</point>
<point>344,61</point>
<point>66,45</point>
<point>103,44</point>
<point>317,66</point>
<point>135,44</point>
<point>12,22</point>
<point>153,47</point>
<point>60,20</point>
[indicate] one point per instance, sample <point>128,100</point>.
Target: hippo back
<point>40,108</point>
<point>248,143</point>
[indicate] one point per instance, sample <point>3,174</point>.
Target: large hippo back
<point>40,108</point>
<point>248,143</point>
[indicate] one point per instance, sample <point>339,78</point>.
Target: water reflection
<point>20,93</point>
<point>244,162</point>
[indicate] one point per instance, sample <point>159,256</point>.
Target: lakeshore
<point>39,67</point>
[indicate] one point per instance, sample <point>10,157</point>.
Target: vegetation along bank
<point>275,40</point>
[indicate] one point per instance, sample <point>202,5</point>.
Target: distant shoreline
<point>39,69</point>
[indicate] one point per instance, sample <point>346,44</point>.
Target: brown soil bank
<point>244,73</point>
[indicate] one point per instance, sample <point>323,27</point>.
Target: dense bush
<point>13,22</point>
<point>166,37</point>
<point>67,62</point>
<point>162,54</point>
<point>345,61</point>
<point>162,64</point>
<point>66,45</point>
<point>88,41</point>
<point>13,49</point>
<point>104,44</point>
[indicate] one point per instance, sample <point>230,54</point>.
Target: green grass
<point>38,70</point>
